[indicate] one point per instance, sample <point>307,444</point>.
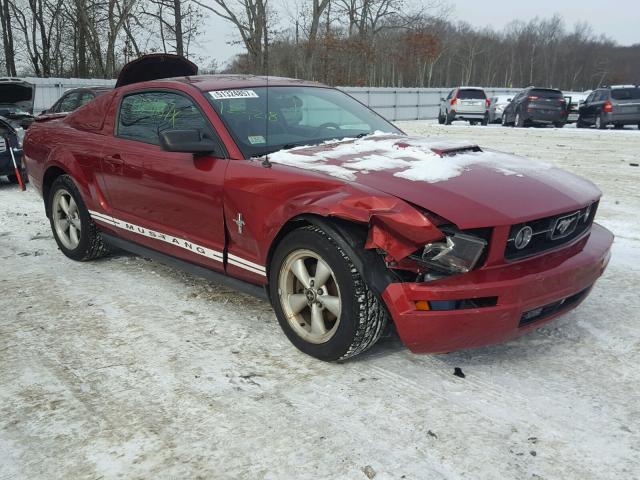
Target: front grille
<point>552,308</point>
<point>550,232</point>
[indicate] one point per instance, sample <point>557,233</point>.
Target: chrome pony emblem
<point>565,226</point>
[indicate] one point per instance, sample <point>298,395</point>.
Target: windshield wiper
<point>287,146</point>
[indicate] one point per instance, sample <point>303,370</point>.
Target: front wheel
<point>580,123</point>
<point>519,121</point>
<point>322,302</point>
<point>72,227</point>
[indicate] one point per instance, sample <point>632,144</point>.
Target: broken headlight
<point>459,253</point>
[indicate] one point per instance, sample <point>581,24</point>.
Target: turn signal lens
<point>423,305</point>
<point>607,107</point>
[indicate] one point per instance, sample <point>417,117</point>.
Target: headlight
<point>20,135</point>
<point>459,253</point>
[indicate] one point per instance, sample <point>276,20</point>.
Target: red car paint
<point>187,206</point>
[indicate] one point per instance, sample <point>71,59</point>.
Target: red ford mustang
<point>297,192</point>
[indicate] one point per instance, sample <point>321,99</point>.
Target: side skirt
<point>217,277</point>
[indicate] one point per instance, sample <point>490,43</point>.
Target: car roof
<point>206,83</point>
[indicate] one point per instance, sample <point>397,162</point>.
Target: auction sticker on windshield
<point>224,94</point>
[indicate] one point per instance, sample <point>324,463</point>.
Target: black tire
<point>363,317</point>
<point>473,122</point>
<point>618,126</point>
<point>440,119</point>
<point>580,123</point>
<point>91,245</point>
<point>519,121</point>
<point>485,120</point>
<point>449,118</point>
<point>600,123</point>
<point>503,120</point>
<point>559,124</point>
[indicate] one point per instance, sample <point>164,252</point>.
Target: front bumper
<point>520,287</point>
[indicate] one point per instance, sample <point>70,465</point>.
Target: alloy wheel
<point>66,219</point>
<point>309,296</point>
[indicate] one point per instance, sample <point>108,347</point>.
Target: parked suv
<point>617,105</point>
<point>543,106</point>
<point>464,103</point>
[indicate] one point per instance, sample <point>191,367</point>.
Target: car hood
<point>16,96</point>
<point>454,180</point>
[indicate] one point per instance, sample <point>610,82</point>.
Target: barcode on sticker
<point>224,94</point>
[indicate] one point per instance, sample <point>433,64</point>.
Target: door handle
<point>113,163</point>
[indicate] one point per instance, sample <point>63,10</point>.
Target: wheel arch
<point>50,175</point>
<point>351,236</point>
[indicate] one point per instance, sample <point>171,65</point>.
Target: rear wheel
<point>473,122</point>
<point>14,178</point>
<point>449,118</point>
<point>485,120</point>
<point>504,120</point>
<point>600,123</point>
<point>72,227</point>
<point>441,118</point>
<point>559,124</point>
<point>322,302</point>
<point>580,123</point>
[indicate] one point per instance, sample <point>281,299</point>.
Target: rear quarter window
<point>471,94</point>
<point>625,93</point>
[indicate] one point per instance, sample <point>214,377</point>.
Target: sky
<point>618,19</point>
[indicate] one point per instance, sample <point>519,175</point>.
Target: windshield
<point>625,93</point>
<point>295,116</point>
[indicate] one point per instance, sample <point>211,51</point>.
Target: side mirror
<point>508,99</point>
<point>187,141</point>
<point>442,99</point>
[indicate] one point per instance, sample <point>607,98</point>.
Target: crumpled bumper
<point>527,294</point>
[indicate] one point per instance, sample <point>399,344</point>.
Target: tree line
<point>390,43</point>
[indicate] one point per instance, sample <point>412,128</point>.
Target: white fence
<point>391,103</point>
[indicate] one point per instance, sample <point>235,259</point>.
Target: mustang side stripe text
<point>179,242</point>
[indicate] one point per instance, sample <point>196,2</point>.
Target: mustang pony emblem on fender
<point>240,222</point>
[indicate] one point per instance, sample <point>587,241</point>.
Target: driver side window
<point>143,116</point>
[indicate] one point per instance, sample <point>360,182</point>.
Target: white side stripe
<point>180,242</point>
<point>245,267</point>
<point>247,263</point>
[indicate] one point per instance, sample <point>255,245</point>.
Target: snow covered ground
<point>126,368</point>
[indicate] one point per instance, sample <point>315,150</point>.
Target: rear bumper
<point>545,117</point>
<point>564,276</point>
<point>622,118</point>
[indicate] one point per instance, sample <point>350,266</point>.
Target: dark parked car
<point>11,135</point>
<point>541,106</point>
<point>617,105</point>
<point>16,100</point>
<point>73,99</point>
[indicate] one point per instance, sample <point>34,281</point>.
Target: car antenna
<point>266,163</point>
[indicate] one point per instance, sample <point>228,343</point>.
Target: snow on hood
<point>473,189</point>
<point>411,158</point>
